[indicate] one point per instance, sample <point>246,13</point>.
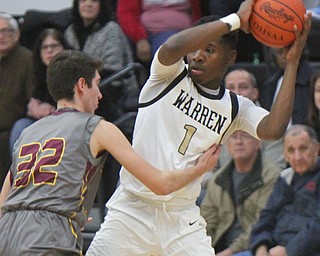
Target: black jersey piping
<point>234,111</point>
<point>234,104</point>
<point>177,80</point>
<point>211,96</point>
<point>166,90</point>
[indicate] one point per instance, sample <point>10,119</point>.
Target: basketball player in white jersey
<point>180,114</point>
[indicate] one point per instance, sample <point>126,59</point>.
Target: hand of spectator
<point>46,109</point>
<point>143,50</point>
<point>244,13</point>
<point>278,251</point>
<point>226,252</point>
<point>88,220</point>
<point>262,250</point>
<point>38,109</point>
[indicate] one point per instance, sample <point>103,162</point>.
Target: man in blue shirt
<point>290,222</point>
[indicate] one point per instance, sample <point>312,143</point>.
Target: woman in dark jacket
<point>94,31</point>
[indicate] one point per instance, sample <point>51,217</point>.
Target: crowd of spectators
<point>236,193</point>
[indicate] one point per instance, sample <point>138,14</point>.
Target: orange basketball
<point>272,21</point>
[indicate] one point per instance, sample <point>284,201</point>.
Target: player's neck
<point>66,105</point>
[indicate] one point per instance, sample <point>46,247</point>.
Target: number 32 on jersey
<point>36,160</point>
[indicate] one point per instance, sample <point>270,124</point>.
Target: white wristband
<point>232,21</point>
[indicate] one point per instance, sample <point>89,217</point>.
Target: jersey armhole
<point>234,111</point>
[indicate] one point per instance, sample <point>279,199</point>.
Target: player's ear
<point>81,83</point>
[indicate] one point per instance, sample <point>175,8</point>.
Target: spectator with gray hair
<point>290,222</point>
<point>244,83</point>
<point>236,194</point>
<point>17,84</point>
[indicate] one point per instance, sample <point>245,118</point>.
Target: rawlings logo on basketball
<point>272,21</point>
<point>276,14</point>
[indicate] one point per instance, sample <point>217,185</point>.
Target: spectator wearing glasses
<point>236,194</point>
<point>17,84</point>
<point>49,43</point>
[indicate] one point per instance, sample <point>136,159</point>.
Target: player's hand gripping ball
<point>271,21</point>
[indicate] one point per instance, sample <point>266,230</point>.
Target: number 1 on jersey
<point>190,130</point>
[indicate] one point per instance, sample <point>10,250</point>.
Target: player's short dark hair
<point>64,71</point>
<point>229,39</point>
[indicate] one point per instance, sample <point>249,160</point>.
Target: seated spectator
<point>94,32</point>
<point>244,83</point>
<point>49,43</point>
<point>16,74</point>
<point>313,118</point>
<point>290,224</point>
<point>270,88</point>
<point>148,23</point>
<point>236,194</point>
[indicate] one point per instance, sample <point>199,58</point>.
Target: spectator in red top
<point>148,23</point>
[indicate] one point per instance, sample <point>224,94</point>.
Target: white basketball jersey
<point>177,123</point>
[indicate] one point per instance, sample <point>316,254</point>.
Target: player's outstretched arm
<point>206,162</point>
<point>194,38</point>
<point>108,137</point>
<point>274,125</point>
<point>5,190</point>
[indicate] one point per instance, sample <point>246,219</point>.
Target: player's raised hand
<point>244,14</point>
<point>208,160</point>
<point>296,48</point>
